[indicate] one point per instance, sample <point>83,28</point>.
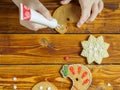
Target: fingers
<point>43,10</point>
<point>96,9</point>
<point>95,12</point>
<point>84,16</point>
<point>32,26</point>
<point>65,1</point>
<point>100,5</point>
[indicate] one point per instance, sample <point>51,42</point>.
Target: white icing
<point>95,55</point>
<point>97,45</point>
<point>90,47</point>
<point>95,49</point>
<point>100,50</point>
<point>90,51</point>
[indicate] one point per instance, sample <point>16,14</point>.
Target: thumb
<point>84,16</point>
<point>44,11</point>
<point>65,1</point>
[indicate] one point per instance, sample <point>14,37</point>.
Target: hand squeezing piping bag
<point>31,15</point>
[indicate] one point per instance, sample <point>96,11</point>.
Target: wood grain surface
<point>29,48</point>
<point>107,22</point>
<point>33,57</point>
<point>28,75</point>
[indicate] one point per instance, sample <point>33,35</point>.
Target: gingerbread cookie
<point>95,49</point>
<point>61,29</point>
<point>79,74</point>
<point>65,16</point>
<point>44,86</point>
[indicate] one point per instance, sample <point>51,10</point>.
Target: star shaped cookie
<point>95,49</point>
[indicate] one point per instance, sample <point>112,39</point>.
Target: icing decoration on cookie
<point>72,70</point>
<point>64,71</point>
<point>44,86</point>
<point>95,49</point>
<point>79,74</point>
<point>61,29</point>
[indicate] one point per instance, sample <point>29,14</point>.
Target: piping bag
<point>31,15</point>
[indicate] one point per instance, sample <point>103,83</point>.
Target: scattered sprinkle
<point>66,58</point>
<point>14,79</point>
<point>109,84</point>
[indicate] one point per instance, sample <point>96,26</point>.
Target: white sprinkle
<point>41,87</point>
<point>14,79</point>
<point>14,87</point>
<point>109,84</point>
<point>49,88</point>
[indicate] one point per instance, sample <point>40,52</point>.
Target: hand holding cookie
<point>90,10</point>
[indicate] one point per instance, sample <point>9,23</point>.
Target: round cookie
<point>79,74</point>
<point>61,29</point>
<point>44,86</point>
<point>67,14</point>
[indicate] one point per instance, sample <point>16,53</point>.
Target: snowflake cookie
<point>95,49</point>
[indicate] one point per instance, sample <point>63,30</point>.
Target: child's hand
<point>38,6</point>
<point>90,9</point>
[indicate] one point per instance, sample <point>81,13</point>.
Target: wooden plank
<point>43,1</point>
<point>29,75</point>
<point>107,22</point>
<point>27,48</point>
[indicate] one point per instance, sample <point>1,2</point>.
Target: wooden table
<point>22,56</point>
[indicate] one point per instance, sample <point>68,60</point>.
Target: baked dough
<point>67,14</point>
<point>95,49</point>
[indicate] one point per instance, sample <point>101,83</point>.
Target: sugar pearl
<point>41,87</point>
<point>49,88</point>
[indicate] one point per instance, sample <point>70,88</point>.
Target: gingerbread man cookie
<point>79,74</point>
<point>44,86</point>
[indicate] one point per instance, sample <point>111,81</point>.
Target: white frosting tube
<point>33,16</point>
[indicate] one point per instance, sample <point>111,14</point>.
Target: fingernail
<point>78,25</point>
<point>62,2</point>
<point>87,21</point>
